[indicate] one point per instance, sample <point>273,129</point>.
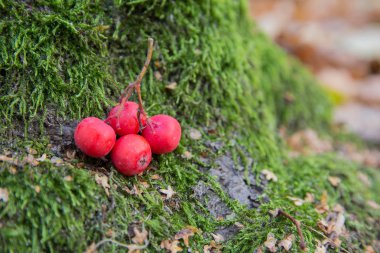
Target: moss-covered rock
<point>64,60</point>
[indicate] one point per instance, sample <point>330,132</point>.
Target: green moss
<point>73,57</point>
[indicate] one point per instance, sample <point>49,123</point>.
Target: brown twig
<point>298,226</point>
<point>136,85</point>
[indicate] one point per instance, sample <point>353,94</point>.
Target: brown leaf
<point>4,194</point>
<point>144,184</point>
<point>239,225</point>
<point>322,206</point>
<point>11,160</point>
<point>320,249</point>
<point>91,248</point>
<point>110,233</point>
<point>172,246</point>
<point>12,170</point>
<point>156,177</point>
<point>37,188</point>
<point>56,161</point>
<point>218,238</point>
<point>140,237</point>
<point>31,160</point>
<point>171,86</point>
<point>373,204</point>
<point>287,242</point>
<point>68,178</point>
<point>184,234</point>
<point>31,151</point>
<point>296,201</point>
<point>158,75</point>
<point>334,181</point>
<point>103,181</point>
<point>274,213</point>
<point>364,179</point>
<point>42,158</point>
<point>169,192</point>
<point>309,198</point>
<point>212,247</point>
<point>187,155</point>
<point>270,243</point>
<point>195,134</point>
<point>269,175</point>
<point>369,249</point>
<point>70,154</point>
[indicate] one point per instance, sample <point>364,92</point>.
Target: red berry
<point>131,154</point>
<point>127,122</point>
<point>94,137</point>
<point>163,133</point>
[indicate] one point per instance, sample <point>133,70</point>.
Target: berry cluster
<point>131,153</point>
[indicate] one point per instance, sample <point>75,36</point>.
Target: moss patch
<point>70,59</point>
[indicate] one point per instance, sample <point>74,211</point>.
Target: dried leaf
<point>7,159</point>
<point>144,184</point>
<point>172,246</point>
<point>110,233</point>
<point>12,170</point>
<point>218,238</point>
<point>169,192</point>
<point>194,134</point>
<point>171,86</point>
<point>91,248</point>
<point>364,179</point>
<point>274,213</point>
<point>56,161</point>
<point>334,181</point>
<point>31,160</point>
<point>31,151</point>
<point>187,155</point>
<point>297,201</point>
<point>320,249</point>
<point>140,237</point>
<point>270,243</point>
<point>269,175</point>
<point>68,178</point>
<point>309,198</point>
<point>287,242</point>
<point>239,225</point>
<point>369,249</point>
<point>373,204</point>
<point>70,154</point>
<point>184,234</point>
<point>322,206</point>
<point>37,188</point>
<point>4,194</point>
<point>103,181</point>
<point>42,158</point>
<point>156,177</point>
<point>212,247</point>
<point>158,75</point>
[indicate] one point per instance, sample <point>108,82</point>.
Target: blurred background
<point>339,41</point>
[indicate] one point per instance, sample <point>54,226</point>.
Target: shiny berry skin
<point>163,133</point>
<point>131,154</point>
<point>127,122</point>
<point>94,137</point>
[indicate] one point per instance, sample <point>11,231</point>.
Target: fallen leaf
<point>195,134</point>
<point>70,154</point>
<point>91,248</point>
<point>4,194</point>
<point>42,158</point>
<point>110,233</point>
<point>287,242</point>
<point>239,225</point>
<point>12,170</point>
<point>269,175</point>
<point>140,237</point>
<point>37,188</point>
<point>184,234</point>
<point>373,204</point>
<point>31,151</point>
<point>187,155</point>
<point>334,181</point>
<point>364,179</point>
<point>212,247</point>
<point>31,160</point>
<point>320,249</point>
<point>169,192</point>
<point>11,160</point>
<point>172,246</point>
<point>296,201</point>
<point>218,238</point>
<point>56,161</point>
<point>322,206</point>
<point>270,243</point>
<point>171,86</point>
<point>145,184</point>
<point>369,249</point>
<point>68,178</point>
<point>158,75</point>
<point>103,181</point>
<point>309,198</point>
<point>156,177</point>
<point>274,213</point>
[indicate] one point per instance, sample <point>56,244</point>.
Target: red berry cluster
<point>131,153</point>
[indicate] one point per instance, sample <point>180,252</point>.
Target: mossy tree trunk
<point>61,61</point>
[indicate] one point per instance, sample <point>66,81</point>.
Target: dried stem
<point>128,246</point>
<point>136,85</point>
<point>298,226</point>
